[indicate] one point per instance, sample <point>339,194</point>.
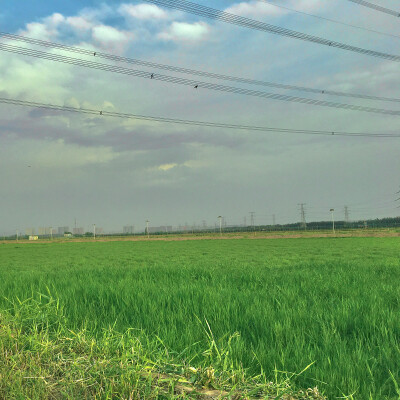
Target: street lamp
<point>220,225</point>
<point>333,219</point>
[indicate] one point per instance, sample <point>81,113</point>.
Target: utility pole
<point>220,225</point>
<point>51,233</point>
<point>273,220</point>
<point>147,229</point>
<point>303,223</point>
<point>332,210</point>
<point>17,235</point>
<point>94,231</point>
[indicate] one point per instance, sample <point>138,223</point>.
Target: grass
<point>42,359</point>
<point>332,303</point>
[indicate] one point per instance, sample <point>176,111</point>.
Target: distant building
<point>160,229</point>
<point>129,230</point>
<point>67,235</point>
<point>33,237</point>
<point>29,231</point>
<point>62,229</point>
<point>43,231</point>
<point>78,231</point>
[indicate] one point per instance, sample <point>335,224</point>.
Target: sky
<point>57,167</point>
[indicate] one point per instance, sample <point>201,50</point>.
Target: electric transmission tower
<point>303,222</point>
<point>398,198</point>
<point>252,213</point>
<point>346,215</point>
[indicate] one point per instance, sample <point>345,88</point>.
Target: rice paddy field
<point>278,306</point>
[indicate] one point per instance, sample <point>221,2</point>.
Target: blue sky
<point>115,172</point>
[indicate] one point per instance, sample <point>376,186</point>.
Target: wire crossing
<point>189,82</point>
<point>104,113</point>
<point>331,20</point>
<point>189,71</point>
<point>229,18</point>
<point>376,7</point>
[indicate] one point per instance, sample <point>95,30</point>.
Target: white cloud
<point>47,29</point>
<point>107,34</point>
<point>143,11</point>
<point>185,32</point>
<point>255,9</point>
<point>166,167</point>
<point>41,80</point>
<point>80,23</point>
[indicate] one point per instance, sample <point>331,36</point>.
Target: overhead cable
<point>331,20</point>
<point>188,71</point>
<point>104,113</point>
<point>190,82</point>
<point>376,7</point>
<point>212,13</point>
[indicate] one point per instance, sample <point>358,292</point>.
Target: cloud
<point>107,36</point>
<point>33,79</point>
<point>87,26</point>
<point>143,11</point>
<point>185,32</point>
<point>256,9</point>
<point>45,30</point>
<point>61,155</point>
<point>80,23</point>
<point>166,167</point>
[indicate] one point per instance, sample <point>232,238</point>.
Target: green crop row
<point>330,303</point>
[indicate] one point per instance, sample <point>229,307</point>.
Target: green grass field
<point>331,302</point>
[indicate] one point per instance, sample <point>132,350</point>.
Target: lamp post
<point>332,210</point>
<point>94,231</point>
<point>220,225</point>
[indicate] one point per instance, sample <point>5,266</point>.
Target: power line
<point>331,20</point>
<point>376,7</point>
<point>188,71</point>
<point>213,13</point>
<point>104,113</point>
<point>191,82</point>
